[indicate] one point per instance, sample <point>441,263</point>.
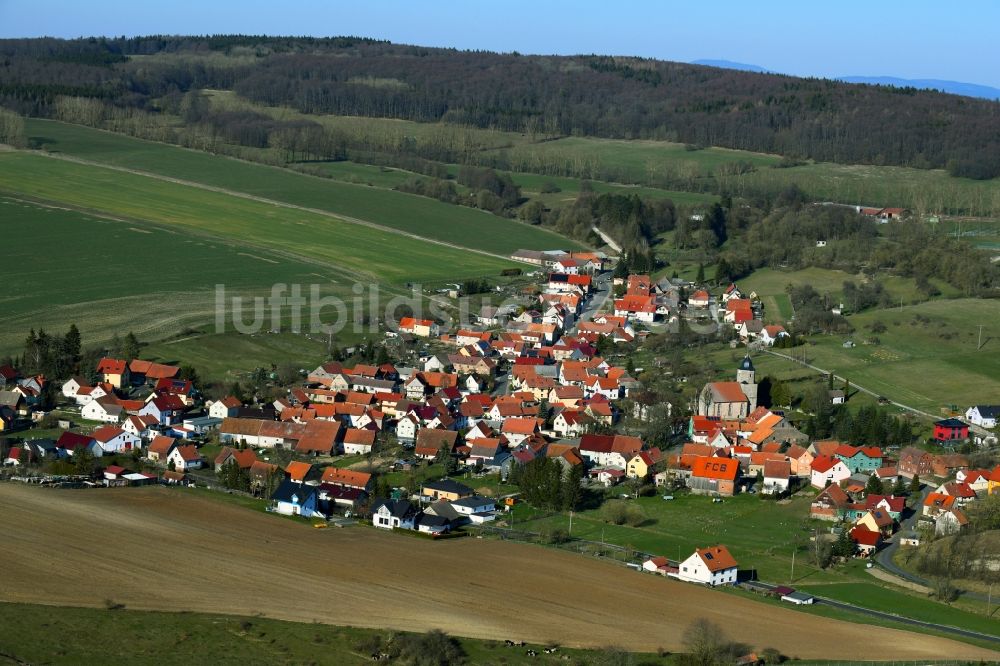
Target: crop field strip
<point>370,253</point>
<point>407,213</point>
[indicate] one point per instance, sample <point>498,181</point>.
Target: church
<point>731,400</point>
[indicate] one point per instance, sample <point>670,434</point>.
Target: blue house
<point>296,499</point>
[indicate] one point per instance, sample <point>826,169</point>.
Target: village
<point>520,393</point>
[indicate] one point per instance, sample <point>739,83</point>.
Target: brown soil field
<point>174,550</point>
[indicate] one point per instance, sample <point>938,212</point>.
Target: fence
<point>622,554</point>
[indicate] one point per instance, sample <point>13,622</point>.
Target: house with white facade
<point>709,566</point>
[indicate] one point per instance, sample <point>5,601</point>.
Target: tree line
<point>556,95</point>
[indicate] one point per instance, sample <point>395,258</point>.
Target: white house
<point>777,474</point>
<point>476,508</point>
<point>406,428</point>
<point>827,470</point>
<point>104,411</point>
<point>140,426</point>
<point>984,416</point>
<point>358,441</point>
<point>113,439</point>
<point>771,334</point>
<point>709,566</point>
<point>393,514</point>
<point>185,458</point>
<point>224,408</point>
<point>87,394</point>
<point>72,386</point>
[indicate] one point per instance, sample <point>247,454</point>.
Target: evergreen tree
<point>914,486</point>
<point>700,277</point>
<point>874,486</point>
<point>130,347</point>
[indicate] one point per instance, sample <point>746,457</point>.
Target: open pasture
<point>409,213</point>
<point>360,251</point>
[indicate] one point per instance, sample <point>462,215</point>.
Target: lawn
<point>271,230</point>
<point>917,607</point>
<point>54,634</point>
<point>926,358</point>
<point>761,534</point>
<point>228,357</point>
<point>409,213</point>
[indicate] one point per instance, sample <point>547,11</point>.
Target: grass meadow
<point>359,252</point>
<point>54,634</point>
<point>406,212</point>
<point>108,275</point>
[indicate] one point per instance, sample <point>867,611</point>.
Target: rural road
<point>602,291</point>
<point>908,408</point>
<point>957,631</point>
<point>885,557</point>
<point>607,239</point>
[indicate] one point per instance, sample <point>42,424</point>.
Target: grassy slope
<point>911,605</point>
<point>413,214</point>
<point>107,275</point>
<point>63,635</point>
<point>923,364</point>
<point>361,250</point>
<point>759,533</point>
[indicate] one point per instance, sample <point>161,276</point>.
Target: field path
<point>174,549</point>
<point>274,202</point>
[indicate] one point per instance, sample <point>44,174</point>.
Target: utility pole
<point>791,578</point>
<point>989,600</point>
<point>980,344</point>
<point>571,522</point>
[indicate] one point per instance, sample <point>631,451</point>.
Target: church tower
<point>746,376</point>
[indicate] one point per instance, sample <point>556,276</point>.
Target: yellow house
<point>113,371</point>
<point>876,520</point>
<point>641,464</point>
<point>445,489</point>
<point>994,481</point>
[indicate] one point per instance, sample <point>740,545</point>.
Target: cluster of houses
<point>18,396</point>
<point>873,517</point>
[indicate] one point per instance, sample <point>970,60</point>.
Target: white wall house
<point>984,416</point>
<point>709,566</point>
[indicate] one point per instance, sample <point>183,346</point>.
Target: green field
<point>273,230</point>
<point>912,605</point>
<point>927,357</point>
<point>654,162</point>
<point>760,534</point>
<point>108,275</point>
<point>68,635</point>
<point>409,213</point>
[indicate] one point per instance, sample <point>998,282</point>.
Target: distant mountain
<point>729,64</point>
<point>953,87</point>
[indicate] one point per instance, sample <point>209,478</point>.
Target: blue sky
<point>905,38</point>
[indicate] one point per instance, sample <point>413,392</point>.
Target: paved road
<point>607,239</point>
<point>602,291</point>
<point>944,628</point>
<point>908,408</point>
<point>884,558</point>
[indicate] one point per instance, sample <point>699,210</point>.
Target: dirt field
<point>159,549</point>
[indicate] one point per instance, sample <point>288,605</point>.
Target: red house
<point>949,430</point>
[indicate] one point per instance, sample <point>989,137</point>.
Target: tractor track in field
<point>274,202</point>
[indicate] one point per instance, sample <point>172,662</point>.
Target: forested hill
<point>585,95</point>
